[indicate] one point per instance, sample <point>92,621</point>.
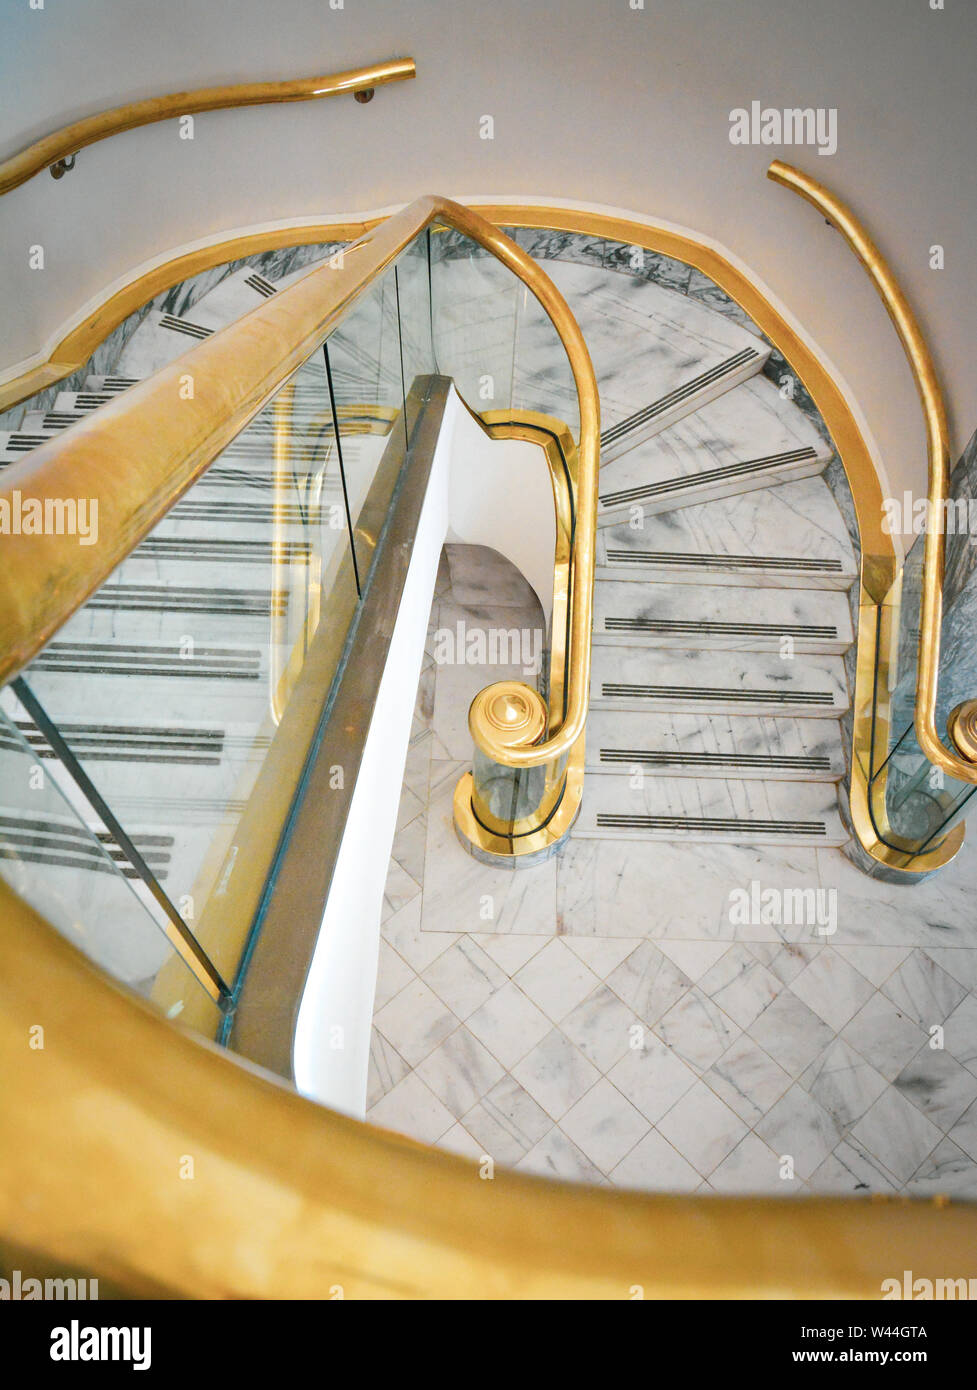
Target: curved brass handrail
<point>71,138</point>
<point>144,449</point>
<point>938,448</point>
<point>291,1200</point>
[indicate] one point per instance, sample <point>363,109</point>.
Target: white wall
<point>593,101</point>
<point>501,496</point>
<point>331,1067</point>
<point>331,1055</point>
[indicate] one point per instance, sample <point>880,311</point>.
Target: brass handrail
<point>292,1200</point>
<point>60,144</point>
<point>938,448</point>
<point>146,447</point>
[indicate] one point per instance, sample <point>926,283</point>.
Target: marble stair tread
<point>72,406</point>
<point>163,336</point>
<point>164,778</point>
<point>720,616</point>
<point>717,682</point>
<point>166,614</point>
<point>50,422</point>
<point>219,685</point>
<point>748,438</point>
<point>788,536</point>
<point>159,340</point>
<point>112,383</point>
<point>231,298</point>
<point>711,809</point>
<point>658,355</point>
<point>714,745</point>
<point>14,444</point>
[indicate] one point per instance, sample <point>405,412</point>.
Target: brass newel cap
<point>961,726</point>
<point>510,713</point>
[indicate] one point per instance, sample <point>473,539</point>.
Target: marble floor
<point>616,1016</point>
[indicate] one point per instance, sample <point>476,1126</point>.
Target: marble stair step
<point>717,682</point>
<point>788,536</point>
<point>14,444</point>
<point>163,335</point>
<point>209,765</point>
<point>108,683</point>
<point>658,355</point>
<point>160,339</point>
<point>743,746</point>
<point>96,391</point>
<point>745,439</point>
<point>308,383</point>
<point>711,809</point>
<point>720,617</point>
<point>240,666</point>
<point>231,298</point>
<point>113,383</point>
<point>146,611</point>
<point>71,406</point>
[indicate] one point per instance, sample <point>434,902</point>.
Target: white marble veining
<point>720,617</point>
<point>722,745</point>
<point>747,438</point>
<point>718,682</point>
<point>790,536</point>
<point>713,809</point>
<point>645,342</point>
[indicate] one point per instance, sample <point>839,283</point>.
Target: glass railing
<point>914,766</point>
<point>168,722</point>
<point>914,802</point>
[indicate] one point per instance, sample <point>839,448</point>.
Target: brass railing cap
<point>511,712</point>
<point>961,727</point>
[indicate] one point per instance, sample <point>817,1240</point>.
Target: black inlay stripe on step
<point>260,285</point>
<point>250,603</point>
<point>243,477</point>
<point>221,663</point>
<point>20,443</point>
<point>662,757</point>
<point>71,846</point>
<point>684,692</point>
<point>681,393</point>
<point>117,743</point>
<point>712,475</point>
<point>91,400</point>
<point>64,861</point>
<point>290,513</point>
<point>235,552</point>
<point>192,330</point>
<point>718,629</point>
<point>314,451</point>
<point>149,840</point>
<point>37,825</point>
<point>607,820</point>
<point>671,557</point>
<point>200,738</point>
<point>61,419</point>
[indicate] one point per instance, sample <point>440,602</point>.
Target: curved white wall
<point>593,100</point>
<point>470,497</point>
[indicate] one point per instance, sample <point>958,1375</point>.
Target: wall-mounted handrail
<point>67,141</point>
<point>938,447</point>
<point>142,451</point>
